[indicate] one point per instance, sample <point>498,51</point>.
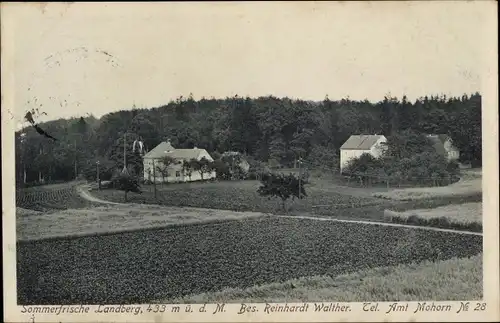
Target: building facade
<point>444,146</point>
<point>176,172</point>
<point>358,145</point>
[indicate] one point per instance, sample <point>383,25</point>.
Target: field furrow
<point>175,262</point>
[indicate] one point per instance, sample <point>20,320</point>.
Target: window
<point>177,174</point>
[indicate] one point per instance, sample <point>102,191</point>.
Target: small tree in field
<point>194,165</point>
<point>125,182</point>
<point>281,186</point>
<point>187,168</point>
<point>164,166</point>
<point>222,169</point>
<point>206,167</point>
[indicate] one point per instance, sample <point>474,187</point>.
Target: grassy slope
<point>470,184</point>
<point>238,196</point>
<point>458,213</point>
<point>447,280</point>
<point>114,218</point>
<point>466,216</point>
<point>242,196</point>
<point>171,263</point>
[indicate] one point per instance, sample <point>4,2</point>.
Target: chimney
<point>195,147</point>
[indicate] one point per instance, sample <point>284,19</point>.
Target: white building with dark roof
<point>443,145</point>
<point>174,172</point>
<point>358,145</point>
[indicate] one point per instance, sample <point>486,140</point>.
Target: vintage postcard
<point>250,162</point>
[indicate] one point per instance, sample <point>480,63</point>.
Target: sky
<point>90,58</point>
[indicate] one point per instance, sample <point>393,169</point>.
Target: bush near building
<point>410,158</point>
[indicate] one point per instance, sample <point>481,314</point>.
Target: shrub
<point>127,183</point>
<point>324,158</point>
<point>426,168</point>
<point>281,186</point>
<point>222,169</point>
<point>274,163</point>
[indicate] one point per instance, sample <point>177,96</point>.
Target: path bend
<point>84,193</point>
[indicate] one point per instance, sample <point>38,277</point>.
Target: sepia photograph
<point>241,161</point>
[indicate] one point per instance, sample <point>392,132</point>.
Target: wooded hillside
<point>271,129</point>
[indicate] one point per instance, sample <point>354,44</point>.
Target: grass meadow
<point>469,185</point>
<point>217,254</point>
<point>242,196</point>
<point>451,280</point>
<point>458,216</point>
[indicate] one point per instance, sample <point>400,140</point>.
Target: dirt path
<point>85,194</point>
<point>385,224</point>
<point>83,190</point>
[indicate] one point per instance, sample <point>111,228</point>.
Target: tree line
<point>267,130</point>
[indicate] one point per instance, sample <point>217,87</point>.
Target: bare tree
<point>164,166</point>
<point>205,167</point>
<point>187,168</point>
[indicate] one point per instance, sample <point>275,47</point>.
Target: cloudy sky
<point>95,58</point>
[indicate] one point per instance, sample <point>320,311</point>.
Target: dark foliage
<point>281,186</point>
<point>409,157</point>
<point>127,183</point>
<point>277,131</point>
<point>222,170</point>
<point>441,222</point>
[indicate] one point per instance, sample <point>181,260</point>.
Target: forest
<point>271,130</point>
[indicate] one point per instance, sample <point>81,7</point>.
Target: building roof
<point>166,149</point>
<point>361,142</point>
<point>160,150</point>
<point>185,154</point>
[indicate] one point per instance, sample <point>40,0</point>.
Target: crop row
<point>237,199</point>
<point>174,262</point>
<point>323,203</point>
<point>48,200</point>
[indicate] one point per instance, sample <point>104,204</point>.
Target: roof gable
<point>185,154</point>
<point>160,151</point>
<point>166,149</point>
<point>361,142</point>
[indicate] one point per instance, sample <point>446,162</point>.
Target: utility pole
<point>76,169</point>
<point>124,153</point>
<point>98,180</point>
<point>23,161</point>
<point>154,177</point>
<point>300,179</point>
<point>40,172</point>
<point>232,169</point>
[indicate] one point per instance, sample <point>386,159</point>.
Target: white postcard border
<point>13,313</point>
